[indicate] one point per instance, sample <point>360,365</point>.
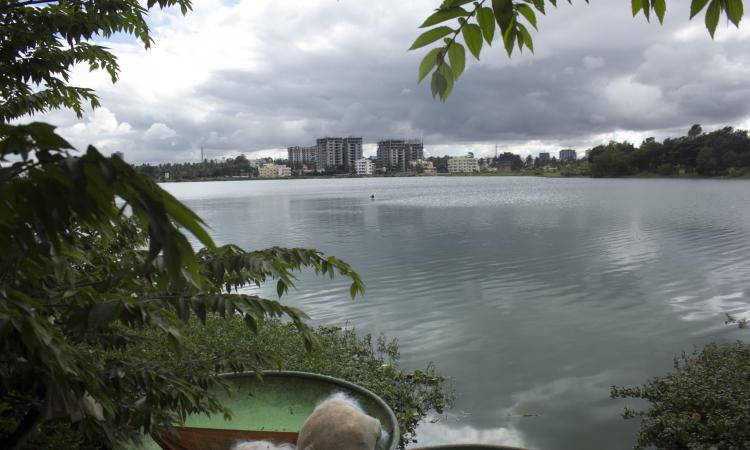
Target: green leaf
<point>712,16</point>
<point>503,10</point>
<point>428,62</point>
<point>647,9</point>
<point>430,36</point>
<point>526,37</point>
<point>735,11</point>
<point>527,13</point>
<point>539,5</point>
<point>443,15</point>
<point>660,7</point>
<point>473,38</point>
<point>636,6</point>
<point>447,72</point>
<point>457,58</point>
<point>486,21</point>
<point>509,39</point>
<point>438,85</point>
<point>697,6</point>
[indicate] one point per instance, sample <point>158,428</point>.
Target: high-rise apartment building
<point>335,152</point>
<point>567,154</point>
<point>299,156</point>
<point>544,157</point>
<point>396,154</point>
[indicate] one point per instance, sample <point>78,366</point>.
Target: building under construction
<point>299,156</point>
<point>395,154</point>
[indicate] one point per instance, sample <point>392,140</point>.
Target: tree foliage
<point>93,251</point>
<point>723,152</point>
<point>207,169</point>
<point>509,21</point>
<point>702,404</point>
<point>41,40</point>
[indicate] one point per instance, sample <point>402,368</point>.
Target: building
<point>363,166</point>
<point>394,155</point>
<point>120,155</point>
<point>274,171</point>
<point>505,166</point>
<point>544,158</point>
<point>463,164</point>
<point>567,154</point>
<point>333,152</point>
<point>299,156</point>
<point>422,166</point>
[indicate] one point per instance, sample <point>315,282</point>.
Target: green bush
<point>705,403</point>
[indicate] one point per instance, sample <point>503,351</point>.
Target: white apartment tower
<point>335,152</point>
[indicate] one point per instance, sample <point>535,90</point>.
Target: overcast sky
<point>256,76</point>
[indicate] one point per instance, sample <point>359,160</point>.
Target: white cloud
<point>260,75</point>
<point>593,62</point>
<point>159,130</point>
<point>102,130</point>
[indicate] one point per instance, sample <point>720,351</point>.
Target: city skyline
<point>232,77</point>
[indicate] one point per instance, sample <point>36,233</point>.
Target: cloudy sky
<point>256,76</point>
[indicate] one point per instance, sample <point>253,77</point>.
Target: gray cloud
<point>258,75</point>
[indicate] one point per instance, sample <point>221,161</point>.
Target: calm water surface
<point>533,295</point>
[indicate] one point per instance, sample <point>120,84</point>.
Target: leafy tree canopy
<point>93,252</point>
<point>41,40</point>
<point>508,21</point>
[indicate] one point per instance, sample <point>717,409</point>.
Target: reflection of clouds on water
<point>693,309</point>
<point>440,433</point>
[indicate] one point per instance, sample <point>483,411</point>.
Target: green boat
<point>274,409</point>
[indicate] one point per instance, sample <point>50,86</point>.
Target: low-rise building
<point>364,166</point>
<point>422,166</point>
<point>463,164</point>
<point>274,171</point>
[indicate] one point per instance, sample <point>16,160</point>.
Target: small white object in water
<point>338,423</point>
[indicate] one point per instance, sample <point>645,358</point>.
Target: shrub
<point>705,403</point>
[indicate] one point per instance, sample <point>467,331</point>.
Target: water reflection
<point>440,433</point>
<point>533,295</point>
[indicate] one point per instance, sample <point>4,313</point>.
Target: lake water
<point>534,295</point>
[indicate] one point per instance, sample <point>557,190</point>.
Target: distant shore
<point>479,174</point>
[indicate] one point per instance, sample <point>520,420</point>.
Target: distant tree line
<point>225,168</point>
<point>724,152</point>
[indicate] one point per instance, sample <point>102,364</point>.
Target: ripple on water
<point>533,295</point>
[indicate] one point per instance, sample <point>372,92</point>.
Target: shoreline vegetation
<point>721,154</point>
<point>645,176</point>
<point>372,363</point>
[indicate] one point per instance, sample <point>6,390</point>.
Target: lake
<point>534,295</point>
